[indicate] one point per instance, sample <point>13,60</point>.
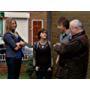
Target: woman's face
<point>43,35</point>
<point>13,24</point>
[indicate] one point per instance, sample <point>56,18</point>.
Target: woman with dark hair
<point>14,44</point>
<point>42,56</point>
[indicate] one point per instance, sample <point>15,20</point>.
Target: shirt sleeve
<point>71,47</point>
<point>35,56</point>
<point>9,40</point>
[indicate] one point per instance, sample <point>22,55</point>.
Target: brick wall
<point>37,15</point>
<point>3,68</point>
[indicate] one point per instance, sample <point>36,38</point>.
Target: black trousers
<point>14,66</point>
<point>43,73</point>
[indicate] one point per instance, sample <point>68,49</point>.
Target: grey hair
<point>76,23</point>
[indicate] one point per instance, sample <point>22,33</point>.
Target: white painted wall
<point>22,28</point>
<point>17,14</point>
<point>3,26</point>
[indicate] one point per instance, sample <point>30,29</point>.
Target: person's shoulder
<point>7,34</point>
<point>83,39</point>
<point>17,33</point>
<point>49,42</point>
<point>36,44</point>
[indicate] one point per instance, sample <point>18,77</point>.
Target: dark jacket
<point>10,43</point>
<point>74,57</point>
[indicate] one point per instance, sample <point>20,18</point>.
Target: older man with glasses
<point>74,55</point>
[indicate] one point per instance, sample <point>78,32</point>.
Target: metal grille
<point>25,58</point>
<point>2,57</point>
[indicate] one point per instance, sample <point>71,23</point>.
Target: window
<point>1,30</point>
<point>1,26</point>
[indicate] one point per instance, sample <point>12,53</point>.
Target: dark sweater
<point>42,55</point>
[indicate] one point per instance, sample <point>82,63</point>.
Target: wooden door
<point>37,26</point>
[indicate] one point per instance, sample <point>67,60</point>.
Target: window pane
<point>1,30</point>
<point>1,26</point>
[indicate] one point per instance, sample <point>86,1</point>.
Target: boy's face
<point>61,28</point>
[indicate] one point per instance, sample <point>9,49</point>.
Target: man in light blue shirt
<point>65,37</point>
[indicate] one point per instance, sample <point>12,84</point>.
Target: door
<point>37,26</point>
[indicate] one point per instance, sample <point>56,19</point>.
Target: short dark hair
<point>64,22</point>
<point>41,31</point>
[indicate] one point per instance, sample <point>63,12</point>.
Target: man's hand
<point>37,68</point>
<point>57,46</point>
<point>49,69</point>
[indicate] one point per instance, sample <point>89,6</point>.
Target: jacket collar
<point>78,34</point>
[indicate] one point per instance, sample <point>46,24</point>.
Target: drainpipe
<point>49,24</point>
